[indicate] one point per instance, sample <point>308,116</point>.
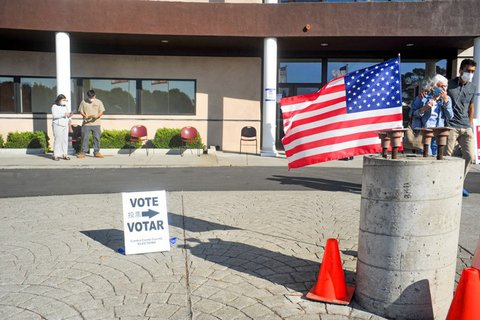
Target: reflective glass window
<point>38,94</point>
<point>168,97</point>
<point>300,72</point>
<point>7,94</point>
<point>337,68</point>
<point>119,96</point>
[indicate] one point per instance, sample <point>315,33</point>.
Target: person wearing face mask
<point>60,125</point>
<point>462,92</point>
<point>91,109</point>
<point>434,109</point>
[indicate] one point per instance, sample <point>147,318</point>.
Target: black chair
<point>248,134</point>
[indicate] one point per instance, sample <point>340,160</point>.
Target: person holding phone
<point>91,110</point>
<point>433,108</point>
<point>60,126</point>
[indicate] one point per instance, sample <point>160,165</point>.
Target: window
<point>337,68</point>
<point>7,94</point>
<point>287,1</point>
<point>118,96</point>
<point>168,97</point>
<point>38,94</point>
<point>300,72</point>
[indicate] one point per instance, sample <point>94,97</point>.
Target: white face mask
<point>467,77</point>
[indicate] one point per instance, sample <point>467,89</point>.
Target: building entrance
<point>288,90</point>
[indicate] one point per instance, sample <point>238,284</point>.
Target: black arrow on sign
<point>150,213</point>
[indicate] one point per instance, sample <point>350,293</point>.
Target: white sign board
<point>145,222</point>
<point>270,94</point>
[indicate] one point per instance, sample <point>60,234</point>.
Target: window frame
<point>140,106</point>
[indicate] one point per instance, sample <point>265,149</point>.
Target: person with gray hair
<point>433,107</point>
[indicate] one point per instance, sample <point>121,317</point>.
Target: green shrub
<point>168,138</point>
<point>37,139</point>
<point>1,141</point>
<point>110,139</point>
<point>115,139</point>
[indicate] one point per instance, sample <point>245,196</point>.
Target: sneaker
<point>465,192</point>
<point>98,155</point>
<point>80,155</point>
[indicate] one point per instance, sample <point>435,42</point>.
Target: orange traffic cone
<point>465,304</point>
<point>331,286</point>
<point>476,257</point>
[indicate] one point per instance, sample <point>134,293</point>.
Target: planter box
<point>20,151</point>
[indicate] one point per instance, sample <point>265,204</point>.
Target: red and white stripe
<point>318,128</point>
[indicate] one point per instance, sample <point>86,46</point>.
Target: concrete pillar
<point>269,98</point>
<point>62,49</point>
<point>409,228</point>
<point>62,55</point>
<point>431,68</point>
<point>476,77</point>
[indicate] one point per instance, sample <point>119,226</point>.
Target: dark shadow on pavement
<point>194,224</point>
<point>352,253</point>
<point>291,272</point>
<point>110,238</point>
<point>471,182</point>
<point>319,184</point>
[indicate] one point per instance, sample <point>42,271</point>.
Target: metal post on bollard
<point>427,135</point>
<point>396,140</point>
<point>441,135</point>
<point>383,135</point>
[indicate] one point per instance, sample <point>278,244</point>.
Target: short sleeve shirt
<point>90,109</point>
<point>462,97</point>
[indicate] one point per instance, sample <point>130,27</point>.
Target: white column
<point>62,54</point>
<point>269,97</point>
<point>476,77</point>
<point>269,94</point>
<point>62,46</point>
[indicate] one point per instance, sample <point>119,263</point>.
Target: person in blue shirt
<point>432,108</point>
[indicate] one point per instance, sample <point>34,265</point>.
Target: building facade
<point>214,65</point>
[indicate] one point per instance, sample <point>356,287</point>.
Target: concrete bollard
<point>409,228</point>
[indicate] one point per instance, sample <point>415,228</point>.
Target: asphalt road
<point>43,182</point>
<point>21,183</point>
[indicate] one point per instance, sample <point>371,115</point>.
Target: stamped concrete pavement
<point>239,255</point>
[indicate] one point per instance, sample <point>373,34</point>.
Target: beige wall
<point>228,91</point>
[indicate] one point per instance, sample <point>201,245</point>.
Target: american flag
<point>342,119</point>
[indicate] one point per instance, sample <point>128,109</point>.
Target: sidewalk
<point>140,159</point>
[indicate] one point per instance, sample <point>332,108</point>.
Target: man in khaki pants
<point>461,91</point>
<point>91,109</point>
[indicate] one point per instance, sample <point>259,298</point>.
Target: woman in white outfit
<point>60,116</point>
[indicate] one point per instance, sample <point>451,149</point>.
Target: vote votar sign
<point>145,222</point>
